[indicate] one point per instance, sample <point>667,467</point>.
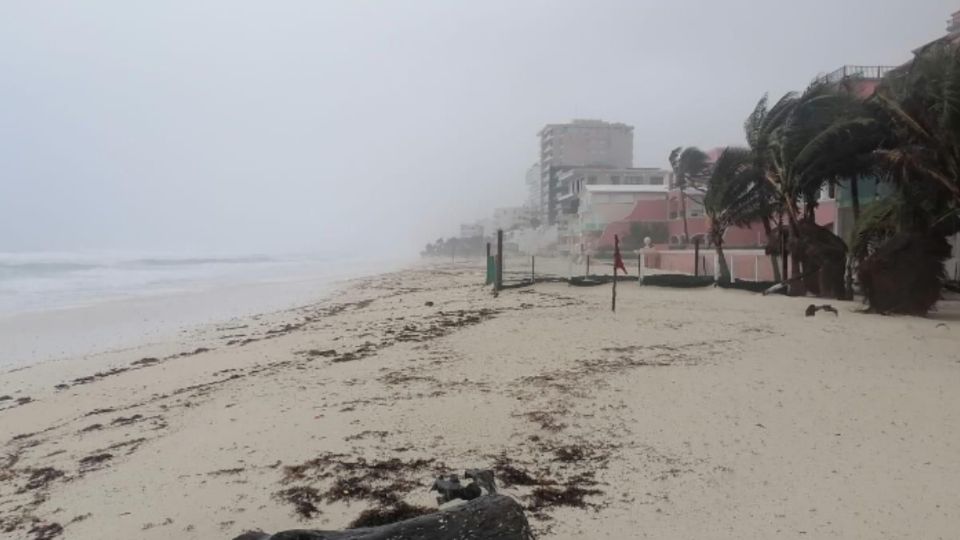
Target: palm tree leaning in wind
<point>901,241</point>
<point>802,142</point>
<point>737,195</point>
<point>689,166</point>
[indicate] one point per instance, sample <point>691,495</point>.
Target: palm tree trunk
<point>796,286</point>
<point>855,200</point>
<point>724,268</point>
<point>855,204</point>
<point>768,231</point>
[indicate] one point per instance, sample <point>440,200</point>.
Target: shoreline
<point>66,332</point>
<point>688,413</point>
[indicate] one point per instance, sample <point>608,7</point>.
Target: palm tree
<point>689,165</point>
<point>920,109</point>
<point>737,195</point>
<point>900,241</point>
<point>804,141</point>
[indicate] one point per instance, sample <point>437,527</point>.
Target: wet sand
<point>687,414</point>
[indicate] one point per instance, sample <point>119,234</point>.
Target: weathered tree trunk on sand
<point>767,231</point>
<point>491,517</point>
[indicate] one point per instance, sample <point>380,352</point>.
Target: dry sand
<point>687,414</point>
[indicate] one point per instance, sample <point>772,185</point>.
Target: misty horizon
<point>245,128</point>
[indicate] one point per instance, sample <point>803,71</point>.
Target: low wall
<point>746,264</point>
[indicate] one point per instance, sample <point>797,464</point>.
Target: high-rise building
<point>581,143</point>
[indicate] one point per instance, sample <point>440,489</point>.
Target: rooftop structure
<point>953,24</point>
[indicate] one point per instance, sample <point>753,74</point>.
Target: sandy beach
<point>701,413</point>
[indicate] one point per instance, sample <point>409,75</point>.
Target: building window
<point>615,180</point>
<point>656,180</point>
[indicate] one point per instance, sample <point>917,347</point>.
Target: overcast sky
<point>281,125</point>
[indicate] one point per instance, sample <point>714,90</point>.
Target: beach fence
<point>750,269</point>
<point>507,268</point>
<point>744,264</point>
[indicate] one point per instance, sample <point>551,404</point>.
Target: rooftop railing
<point>857,72</point>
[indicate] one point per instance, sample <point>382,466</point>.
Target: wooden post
<point>588,265</point>
<point>733,269</point>
<point>490,269</point>
<point>533,269</point>
<point>696,256</point>
<point>716,267</point>
<point>642,263</point>
<point>616,250</point>
<point>756,268</point>
<point>499,282</point>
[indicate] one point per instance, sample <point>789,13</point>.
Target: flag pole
<point>616,254</point>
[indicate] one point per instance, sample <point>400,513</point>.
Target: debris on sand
<point>812,309</point>
<point>384,482</point>
<point>510,475</point>
<point>46,531</point>
<point>40,478</point>
<point>546,419</point>
<point>570,454</point>
<point>104,410</point>
<point>149,361</point>
<point>126,421</point>
<point>546,497</point>
<point>225,472</point>
<point>314,353</point>
<point>91,462</point>
<point>384,515</point>
<point>303,498</point>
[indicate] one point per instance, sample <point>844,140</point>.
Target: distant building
<point>471,230</point>
<point>590,197</point>
<point>600,205</point>
<point>533,190</point>
<point>581,143</point>
<point>510,217</point>
<point>572,181</point>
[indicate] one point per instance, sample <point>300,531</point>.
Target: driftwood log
<point>491,517</point>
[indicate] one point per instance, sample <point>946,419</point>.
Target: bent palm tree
<point>803,141</point>
<point>736,196</point>
<point>689,166</point>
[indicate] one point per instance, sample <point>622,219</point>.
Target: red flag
<point>617,259</point>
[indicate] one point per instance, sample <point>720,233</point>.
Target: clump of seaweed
<point>571,495</point>
<point>384,482</point>
<point>385,515</point>
<point>303,498</point>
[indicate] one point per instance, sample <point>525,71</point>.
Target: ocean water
<point>63,305</point>
<point>44,281</point>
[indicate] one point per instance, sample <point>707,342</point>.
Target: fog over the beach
<point>313,126</point>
